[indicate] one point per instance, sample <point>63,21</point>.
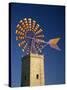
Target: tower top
<point>36,55</point>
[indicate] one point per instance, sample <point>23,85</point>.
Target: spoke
<point>39,36</point>
<point>41,41</point>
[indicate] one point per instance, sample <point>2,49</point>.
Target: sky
<point>52,20</point>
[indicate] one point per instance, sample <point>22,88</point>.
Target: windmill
<point>32,42</point>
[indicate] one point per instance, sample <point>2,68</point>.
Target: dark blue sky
<point>52,21</point>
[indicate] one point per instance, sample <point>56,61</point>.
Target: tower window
<point>25,77</point>
<point>37,76</point>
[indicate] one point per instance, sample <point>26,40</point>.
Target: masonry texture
<point>32,70</point>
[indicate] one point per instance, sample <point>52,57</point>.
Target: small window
<point>25,77</point>
<point>37,76</point>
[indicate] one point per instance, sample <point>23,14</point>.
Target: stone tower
<point>32,70</point>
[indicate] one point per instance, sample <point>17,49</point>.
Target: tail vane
<point>53,43</point>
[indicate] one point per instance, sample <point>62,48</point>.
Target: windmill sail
<point>31,35</point>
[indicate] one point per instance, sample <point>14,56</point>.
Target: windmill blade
<point>39,31</point>
<point>41,41</point>
<point>27,43</point>
<point>22,24</point>
<point>19,27</point>
<point>26,23</point>
<point>33,24</point>
<point>29,23</point>
<point>36,27</point>
<point>27,47</point>
<point>22,43</point>
<point>19,32</point>
<point>19,38</point>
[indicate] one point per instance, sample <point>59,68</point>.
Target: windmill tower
<point>31,39</point>
<point>33,70</point>
<point>32,43</point>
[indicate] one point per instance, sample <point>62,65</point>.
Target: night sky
<point>52,21</point>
